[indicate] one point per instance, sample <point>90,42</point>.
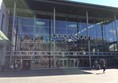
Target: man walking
<point>103,64</point>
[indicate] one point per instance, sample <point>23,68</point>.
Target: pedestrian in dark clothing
<point>96,65</point>
<point>103,63</point>
<point>104,68</point>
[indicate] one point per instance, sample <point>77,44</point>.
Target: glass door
<point>65,63</point>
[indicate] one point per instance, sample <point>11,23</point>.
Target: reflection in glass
<point>36,34</point>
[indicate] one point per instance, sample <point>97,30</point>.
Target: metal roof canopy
<point>74,8</point>
<point>66,7</point>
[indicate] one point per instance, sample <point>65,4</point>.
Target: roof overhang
<point>70,7</point>
<point>4,41</point>
<point>66,7</point>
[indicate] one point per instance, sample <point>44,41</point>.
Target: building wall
<point>62,40</point>
<point>4,15</point>
<point>35,35</point>
<point>4,22</point>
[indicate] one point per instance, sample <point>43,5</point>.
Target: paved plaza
<point>60,76</point>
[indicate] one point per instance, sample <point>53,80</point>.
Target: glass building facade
<point>62,38</point>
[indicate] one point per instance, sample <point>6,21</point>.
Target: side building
<point>5,43</point>
<point>61,34</point>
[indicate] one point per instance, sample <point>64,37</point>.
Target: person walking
<point>103,63</point>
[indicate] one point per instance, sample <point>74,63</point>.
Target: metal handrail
<point>59,53</point>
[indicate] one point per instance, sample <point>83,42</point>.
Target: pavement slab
<point>60,76</point>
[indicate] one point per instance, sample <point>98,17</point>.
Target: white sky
<point>113,3</point>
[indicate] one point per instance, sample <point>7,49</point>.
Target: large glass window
<point>103,34</point>
<point>70,33</point>
<point>33,34</point>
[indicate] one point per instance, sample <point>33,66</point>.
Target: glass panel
<point>42,23</point>
<point>25,30</point>
<point>103,35</point>
<point>33,34</point>
<point>109,35</point>
<point>60,31</point>
<point>26,21</point>
<point>82,33</point>
<point>41,31</point>
<point>68,33</point>
<point>61,24</point>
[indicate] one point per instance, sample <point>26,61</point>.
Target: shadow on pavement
<point>43,72</point>
<point>99,73</point>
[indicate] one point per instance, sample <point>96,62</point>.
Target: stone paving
<point>60,76</point>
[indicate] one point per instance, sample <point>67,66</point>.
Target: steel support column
<point>88,39</point>
<point>54,18</point>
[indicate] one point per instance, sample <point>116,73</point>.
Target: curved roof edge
<point>82,4</point>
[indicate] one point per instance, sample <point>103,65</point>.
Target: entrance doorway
<point>26,65</point>
<point>64,63</point>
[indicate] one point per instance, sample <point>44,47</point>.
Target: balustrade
<point>59,53</point>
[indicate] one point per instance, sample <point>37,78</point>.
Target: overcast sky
<point>113,3</point>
